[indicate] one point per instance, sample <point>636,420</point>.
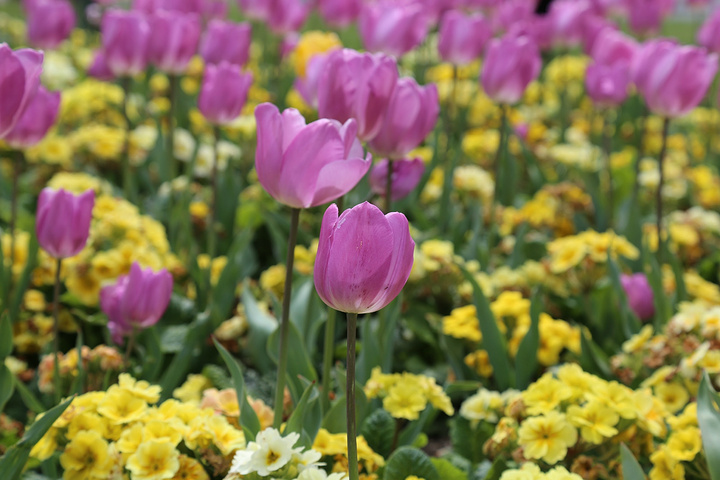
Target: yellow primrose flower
<point>595,420</point>
<point>310,44</point>
<point>191,390</point>
<point>121,406</point>
<point>479,360</point>
<point>685,444</point>
<point>665,466</point>
<point>404,403</point>
<point>190,469</point>
<point>86,456</point>
<point>545,395</point>
<point>463,323</point>
<point>547,437</point>
<point>673,395</point>
<point>139,388</point>
<point>154,460</point>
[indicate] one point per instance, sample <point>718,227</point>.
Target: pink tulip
<point>215,10</point>
<point>19,79</point>
<point>462,38</point>
<point>392,28</point>
<point>226,41</point>
<point>125,40</point>
<point>306,165</point>
<point>709,34</point>
<point>364,258</point>
<point>173,40</point>
<point>538,29</point>
<point>646,16</point>
<point>136,301</point>
<point>405,177</point>
<point>223,93</point>
<point>63,220</point>
<point>150,7</point>
<point>511,63</point>
<point>639,294</point>
<point>512,12</point>
<point>613,47</point>
<point>99,68</point>
<point>412,113</point>
<point>49,22</point>
<point>357,85</point>
<point>256,9</point>
<point>282,16</point>
<point>567,19</point>
<point>36,120</point>
<point>591,29</point>
<point>307,86</point>
<point>673,79</point>
<point>339,13</point>
<point>607,85</point>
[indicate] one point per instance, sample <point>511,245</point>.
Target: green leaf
<point>262,326</point>
<point>223,294</point>
<point>408,461</point>
<point>496,469</point>
<point>30,400</point>
<point>6,337</point>
<point>6,385</point>
<point>378,430</point>
<point>299,363</point>
<point>518,253</point>
<point>468,440</point>
<point>630,467</point>
<point>708,414</point>
<point>591,356</point>
<point>662,309</point>
<point>12,463</point>
<point>628,321</point>
<point>335,420</point>
<point>448,471</point>
<point>248,417</point>
<point>493,341</point>
<point>173,338</point>
<point>24,279</point>
<point>526,361</point>
<point>296,422</point>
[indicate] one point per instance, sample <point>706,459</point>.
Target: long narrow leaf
<point>630,466</point>
<point>708,413</point>
<point>526,362</point>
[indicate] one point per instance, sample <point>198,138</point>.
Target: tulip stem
<point>640,155</point>
<point>56,330</point>
<point>211,231</point>
<point>350,398</point>
<point>388,186</point>
<point>170,139</point>
<point>607,147</point>
<point>285,322</point>
<point>126,172</point>
<point>16,165</point>
<point>658,194</point>
<point>328,354</point>
<point>130,346</point>
<point>499,169</point>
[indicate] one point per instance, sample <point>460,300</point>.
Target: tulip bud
<point>339,13</point>
<point>607,85</point>
<point>639,294</point>
<point>255,9</point>
<point>406,175</point>
<point>306,165</point>
<point>136,300</point>
<point>36,120</point>
<point>646,16</point>
<point>357,85</point>
<point>613,47</point>
<point>412,113</point>
<point>63,220</point>
<point>223,93</point>
<point>49,22</point>
<point>125,41</point>
<point>673,79</point>
<point>99,68</point>
<point>364,258</point>
<point>511,63</point>
<point>567,21</point>
<point>391,28</point>
<point>709,34</point>
<point>174,40</point>
<point>462,37</point>
<point>282,16</point>
<point>19,79</point>
<point>226,42</point>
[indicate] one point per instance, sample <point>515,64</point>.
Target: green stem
<point>126,169</point>
<point>396,435</point>
<point>388,186</point>
<point>607,147</point>
<point>56,331</point>
<point>211,230</point>
<point>328,355</point>
<point>350,398</point>
<point>170,139</point>
<point>450,160</point>
<point>499,154</point>
<point>130,346</point>
<point>16,166</point>
<point>658,194</point>
<point>638,161</point>
<point>285,322</point>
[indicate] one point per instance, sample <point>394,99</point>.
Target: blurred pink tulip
<point>282,16</point>
<point>364,258</point>
<point>357,85</point>
<point>49,22</point>
<point>223,93</point>
<point>226,41</point>
<point>39,115</point>
<point>639,294</point>
<point>392,28</point>
<point>125,40</point>
<point>568,21</point>
<point>405,177</point>
<point>99,68</point>
<point>709,34</point>
<point>340,13</point>
<point>462,38</point>
<point>174,40</point>
<point>592,28</point>
<point>511,63</point>
<point>19,79</point>
<point>305,165</point>
<point>63,220</point>
<point>607,85</point>
<point>510,13</point>
<point>614,48</point>
<point>307,86</point>
<point>673,79</point>
<point>646,16</point>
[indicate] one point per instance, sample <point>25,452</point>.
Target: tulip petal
<point>338,178</point>
<point>269,152</point>
<point>325,240</point>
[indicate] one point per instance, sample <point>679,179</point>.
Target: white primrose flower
<point>268,453</point>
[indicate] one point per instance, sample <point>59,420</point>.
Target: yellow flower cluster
<point>335,446</point>
<point>120,431</point>
<point>97,365</point>
<point>531,471</point>
<point>406,395</point>
<point>587,249</point>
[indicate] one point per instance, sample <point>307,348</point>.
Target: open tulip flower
<point>38,118</point>
<point>19,79</point>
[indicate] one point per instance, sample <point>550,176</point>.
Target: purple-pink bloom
<point>340,13</point>
<point>709,34</point>
<point>639,294</point>
<point>19,79</point>
<point>357,85</point>
<point>304,165</point>
<point>412,113</point>
<point>62,223</point>
<point>393,28</point>
<point>307,86</point>
<point>226,41</point>
<point>223,93</point>
<point>174,38</point>
<point>673,79</point>
<point>39,115</point>
<point>512,12</point>
<point>592,27</point>
<point>511,63</point>
<point>125,41</point>
<point>364,258</point>
<point>49,22</point>
<point>567,20</point>
<point>136,301</point>
<point>646,16</point>
<point>256,9</point>
<point>406,175</point>
<point>285,16</point>
<point>607,85</point>
<point>462,37</point>
<point>99,68</point>
<point>613,47</point>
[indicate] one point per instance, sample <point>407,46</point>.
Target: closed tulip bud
<point>19,79</point>
<point>150,7</point>
<point>567,20</point>
<point>303,165</point>
<point>125,41</point>
<point>406,175</point>
<point>639,294</point>
<point>99,68</point>
<point>673,79</point>
<point>591,29</point>
<point>709,34</point>
<point>223,93</point>
<point>255,9</point>
<point>174,40</point>
<point>364,258</point>
<point>357,85</point>
<point>393,28</point>
<point>136,301</point>
<point>462,37</point>
<point>511,63</point>
<point>339,13</point>
<point>613,47</point>
<point>412,113</point>
<point>510,13</point>
<point>215,9</point>
<point>226,42</point>
<point>36,120</point>
<point>63,220</point>
<point>287,16</point>
<point>646,16</point>
<point>607,85</point>
<point>49,22</point>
